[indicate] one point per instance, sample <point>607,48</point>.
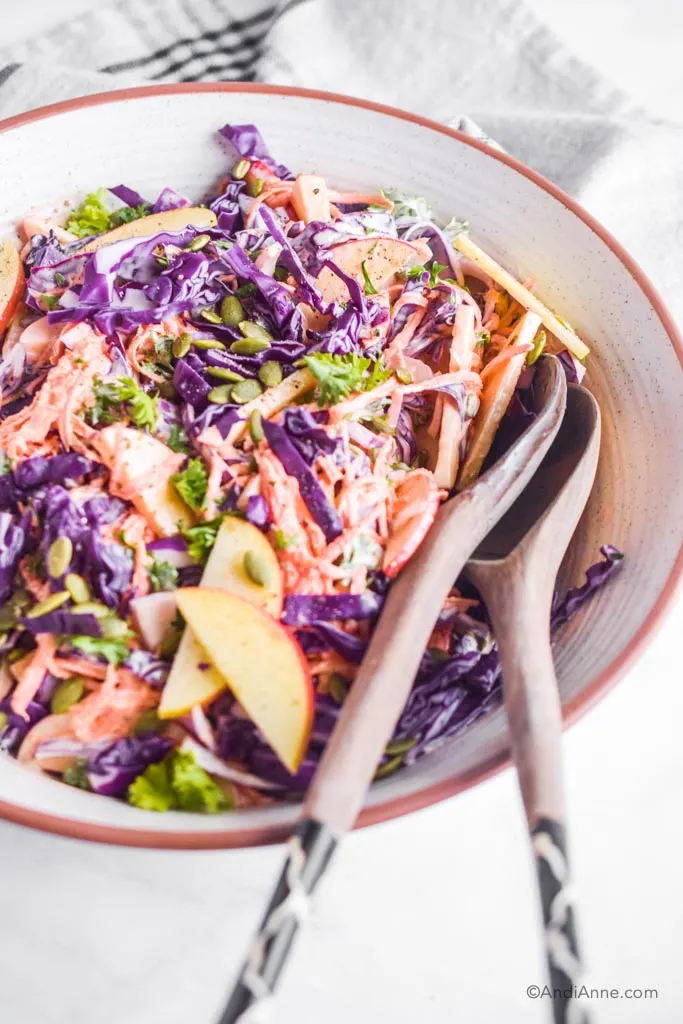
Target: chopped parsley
<point>113,649</point>
<point>192,484</point>
<point>123,397</point>
<point>77,774</point>
<point>368,287</point>
<point>127,214</point>
<point>200,539</point>
<point>482,339</point>
<point>50,302</point>
<point>282,541</point>
<point>177,783</point>
<point>178,441</point>
<point>5,464</point>
<point>433,271</point>
<point>162,576</point>
<point>340,375</point>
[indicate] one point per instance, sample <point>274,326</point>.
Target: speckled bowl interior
<point>150,138</point>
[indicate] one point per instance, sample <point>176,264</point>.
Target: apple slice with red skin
<point>382,256</point>
<point>414,511</point>
<point>12,281</point>
<point>261,663</point>
<point>153,223</point>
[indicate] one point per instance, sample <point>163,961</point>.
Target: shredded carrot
<point>111,711</point>
<point>33,674</point>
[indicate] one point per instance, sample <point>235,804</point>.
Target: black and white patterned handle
<point>309,852</point>
<point>548,839</point>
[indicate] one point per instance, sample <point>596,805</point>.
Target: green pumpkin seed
<point>67,693</point>
<point>256,568</point>
<point>472,403</point>
<point>220,395</point>
<point>206,344</point>
<point>537,350</point>
<point>338,687</point>
<point>21,600</point>
<point>8,618</point>
<point>166,389</point>
<point>250,329</point>
<point>241,169</point>
<point>256,187</point>
<point>389,767</point>
<point>100,611</point>
<point>399,747</point>
<point>77,587</point>
<point>181,345</point>
<point>148,721</point>
<point>232,311</point>
<point>50,604</point>
<point>113,627</point>
<point>169,645</point>
<point>270,374</point>
<point>198,242</point>
<point>211,315</point>
<point>248,346</point>
<point>245,391</point>
<point>223,373</point>
<point>404,376</point>
<point>256,427</point>
<point>381,425</point>
<point>59,556</point>
<point>3,719</point>
<point>4,637</point>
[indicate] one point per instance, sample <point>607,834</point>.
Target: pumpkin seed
<point>256,187</point>
<point>389,767</point>
<point>256,427</point>
<point>248,346</point>
<point>181,345</point>
<point>100,611</point>
<point>59,556</point>
<point>211,315</point>
<point>77,587</point>
<point>67,693</point>
<point>472,404</point>
<point>537,350</point>
<point>399,747</point>
<point>220,395</point>
<point>403,375</point>
<point>232,311</point>
<point>21,600</point>
<point>338,687</point>
<point>245,391</point>
<point>148,721</point>
<point>8,618</point>
<point>250,329</point>
<point>206,344</point>
<point>50,604</point>
<point>256,568</point>
<point>113,627</point>
<point>270,374</point>
<point>382,425</point>
<point>198,242</point>
<point>223,373</point>
<point>166,389</point>
<point>241,169</point>
<point>3,719</point>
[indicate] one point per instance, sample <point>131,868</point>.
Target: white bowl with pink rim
<point>161,135</point>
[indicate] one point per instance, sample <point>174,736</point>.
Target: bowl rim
<point>398,806</point>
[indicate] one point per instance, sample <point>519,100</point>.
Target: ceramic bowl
<point>161,135</point>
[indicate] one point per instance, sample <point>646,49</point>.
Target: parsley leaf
<point>340,375</point>
<point>92,216</point>
<point>127,214</point>
<point>282,541</point>
<point>200,539</point>
<point>178,441</point>
<point>162,576</point>
<point>434,272</point>
<point>50,302</point>
<point>77,774</point>
<point>113,649</point>
<point>123,396</point>
<point>369,288</point>
<point>5,463</point>
<point>177,782</point>
<point>192,483</point>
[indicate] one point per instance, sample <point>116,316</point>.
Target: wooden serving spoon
<point>515,570</point>
<point>381,688</point>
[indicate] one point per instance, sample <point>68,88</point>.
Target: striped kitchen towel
<point>494,60</point>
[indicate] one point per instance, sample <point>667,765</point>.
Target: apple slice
<point>225,569</point>
<point>169,220</point>
<point>260,662</point>
<point>382,257</point>
<point>12,281</point>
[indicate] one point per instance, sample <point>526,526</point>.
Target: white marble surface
<point>431,917</point>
